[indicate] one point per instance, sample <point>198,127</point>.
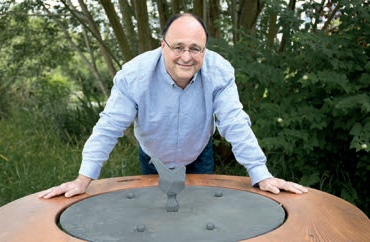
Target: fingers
<point>72,192</point>
<point>300,188</point>
<point>294,187</point>
<point>272,189</point>
<point>69,189</point>
<point>274,185</point>
<point>265,186</point>
<point>52,192</point>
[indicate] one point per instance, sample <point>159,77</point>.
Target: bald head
<point>177,16</point>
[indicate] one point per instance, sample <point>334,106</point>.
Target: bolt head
<point>130,195</point>
<point>218,194</point>
<point>140,228</point>
<point>210,226</point>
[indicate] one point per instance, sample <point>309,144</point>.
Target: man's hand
<point>69,189</point>
<point>274,185</point>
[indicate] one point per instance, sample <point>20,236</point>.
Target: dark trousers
<point>202,165</point>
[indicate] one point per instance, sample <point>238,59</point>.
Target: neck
<point>180,83</point>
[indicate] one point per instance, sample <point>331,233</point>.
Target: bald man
<point>176,96</point>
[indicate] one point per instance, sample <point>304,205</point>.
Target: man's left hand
<point>274,185</point>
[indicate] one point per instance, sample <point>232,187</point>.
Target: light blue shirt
<point>172,123</point>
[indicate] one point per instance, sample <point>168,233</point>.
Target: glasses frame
<point>183,50</point>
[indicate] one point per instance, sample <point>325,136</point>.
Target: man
<point>175,95</point>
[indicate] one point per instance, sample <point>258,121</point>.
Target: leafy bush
<point>310,105</point>
<point>70,115</point>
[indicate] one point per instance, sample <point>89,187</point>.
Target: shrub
<point>310,105</point>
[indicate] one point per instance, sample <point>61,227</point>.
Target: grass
<point>35,153</point>
<point>33,158</point>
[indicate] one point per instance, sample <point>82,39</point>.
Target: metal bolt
<point>140,228</point>
<point>218,194</point>
<point>210,226</point>
<point>130,195</point>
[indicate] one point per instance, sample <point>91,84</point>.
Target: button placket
<point>181,117</point>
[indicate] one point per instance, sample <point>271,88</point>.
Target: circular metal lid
<point>205,214</point>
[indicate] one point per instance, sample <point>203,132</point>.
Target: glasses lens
<point>195,52</point>
<point>178,51</point>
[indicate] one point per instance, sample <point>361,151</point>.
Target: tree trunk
<point>184,6</point>
<point>127,13</point>
<point>94,28</point>
<point>272,29</point>
<point>198,8</point>
<point>214,14</point>
<point>250,10</point>
<point>205,13</point>
<point>145,38</point>
<point>175,7</point>
<point>117,29</point>
<point>234,19</point>
<point>163,12</point>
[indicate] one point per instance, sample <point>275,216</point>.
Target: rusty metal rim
<point>34,219</point>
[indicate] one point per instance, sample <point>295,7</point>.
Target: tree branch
<point>330,18</point>
<point>83,57</point>
<point>318,16</point>
<point>88,28</point>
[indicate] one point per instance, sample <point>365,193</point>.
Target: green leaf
<point>356,129</point>
<point>309,180</point>
<point>367,66</point>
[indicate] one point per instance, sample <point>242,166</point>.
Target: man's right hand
<point>69,189</point>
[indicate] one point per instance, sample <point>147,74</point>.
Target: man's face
<point>185,32</point>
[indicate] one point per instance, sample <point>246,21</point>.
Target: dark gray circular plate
<point>117,216</point>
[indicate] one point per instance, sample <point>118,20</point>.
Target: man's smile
<point>186,66</point>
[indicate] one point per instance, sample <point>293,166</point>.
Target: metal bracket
<point>171,182</point>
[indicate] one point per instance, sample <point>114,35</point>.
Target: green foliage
<point>29,46</point>
<point>34,157</point>
<point>310,105</point>
<point>5,99</point>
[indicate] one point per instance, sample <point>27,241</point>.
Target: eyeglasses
<point>179,51</point>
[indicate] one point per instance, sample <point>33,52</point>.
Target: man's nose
<point>186,56</point>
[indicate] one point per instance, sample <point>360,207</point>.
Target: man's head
<point>184,39</point>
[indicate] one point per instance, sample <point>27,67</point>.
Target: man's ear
<point>162,43</point>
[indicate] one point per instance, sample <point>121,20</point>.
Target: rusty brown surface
<point>315,216</point>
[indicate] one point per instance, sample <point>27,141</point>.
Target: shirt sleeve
<point>234,124</point>
<point>118,114</point>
